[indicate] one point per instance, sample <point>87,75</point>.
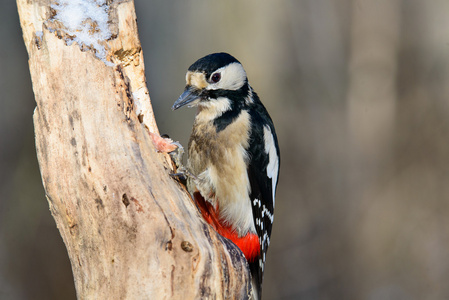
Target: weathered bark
<point>131,231</point>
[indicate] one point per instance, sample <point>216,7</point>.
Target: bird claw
<point>184,173</point>
<point>177,154</point>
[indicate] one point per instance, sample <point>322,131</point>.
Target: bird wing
<point>263,170</point>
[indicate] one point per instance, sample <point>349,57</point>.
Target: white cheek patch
<point>213,108</point>
<point>221,104</point>
<point>233,77</point>
<point>273,163</point>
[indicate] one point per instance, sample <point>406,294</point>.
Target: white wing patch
<point>273,163</point>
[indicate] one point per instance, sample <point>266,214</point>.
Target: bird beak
<point>190,94</point>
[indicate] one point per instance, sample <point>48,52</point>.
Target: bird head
<point>214,82</point>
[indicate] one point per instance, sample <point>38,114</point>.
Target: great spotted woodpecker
<point>233,157</point>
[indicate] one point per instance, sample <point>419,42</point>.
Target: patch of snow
<point>87,22</point>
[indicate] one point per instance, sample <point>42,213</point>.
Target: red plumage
<point>248,244</point>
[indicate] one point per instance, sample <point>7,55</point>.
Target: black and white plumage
<point>234,155</point>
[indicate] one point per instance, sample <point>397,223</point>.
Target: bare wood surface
<point>130,230</point>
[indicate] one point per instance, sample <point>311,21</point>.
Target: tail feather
<point>256,279</point>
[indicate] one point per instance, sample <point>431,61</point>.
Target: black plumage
<point>261,185</point>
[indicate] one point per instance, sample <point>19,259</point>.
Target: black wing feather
<point>261,185</point>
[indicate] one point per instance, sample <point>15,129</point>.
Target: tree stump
<point>131,231</point>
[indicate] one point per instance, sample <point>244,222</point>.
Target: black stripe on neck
<point>226,118</point>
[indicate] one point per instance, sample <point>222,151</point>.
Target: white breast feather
<point>229,182</point>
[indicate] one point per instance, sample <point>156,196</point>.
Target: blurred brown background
<point>359,93</point>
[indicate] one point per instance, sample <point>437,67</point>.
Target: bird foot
<point>183,173</point>
<point>177,155</point>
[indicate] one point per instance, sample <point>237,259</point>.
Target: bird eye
<point>216,77</point>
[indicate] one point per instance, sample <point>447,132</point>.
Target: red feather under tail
<point>248,244</point>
